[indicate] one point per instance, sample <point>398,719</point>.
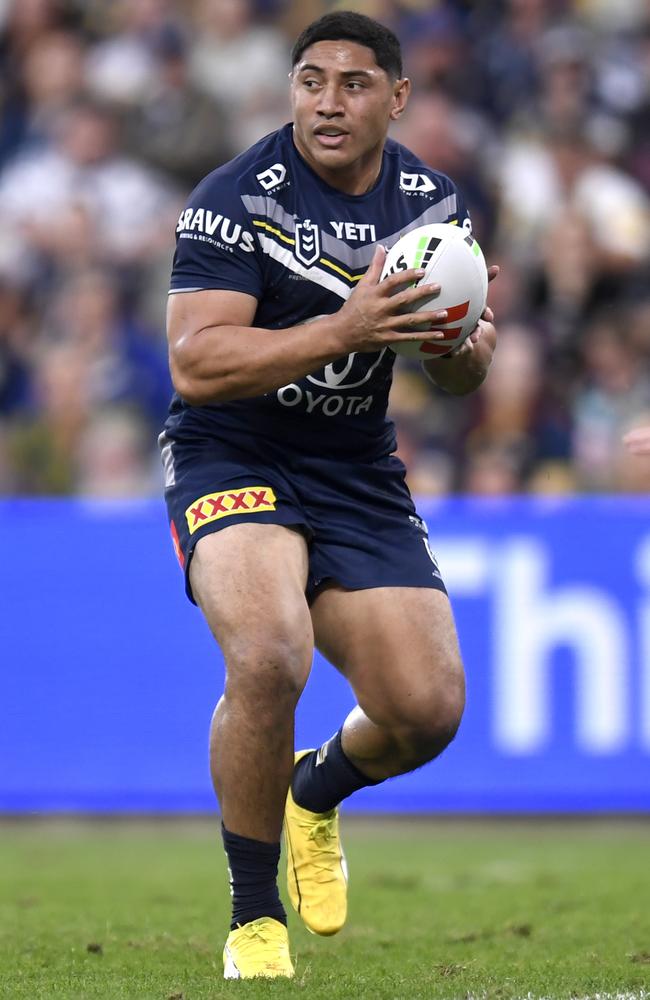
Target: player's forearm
<point>223,363</point>
<point>463,374</point>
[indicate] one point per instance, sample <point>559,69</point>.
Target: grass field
<point>438,909</point>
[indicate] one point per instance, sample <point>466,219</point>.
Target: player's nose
<point>329,102</point>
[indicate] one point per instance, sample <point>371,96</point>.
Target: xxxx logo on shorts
<point>213,506</point>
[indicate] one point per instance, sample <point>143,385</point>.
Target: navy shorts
<point>358,518</point>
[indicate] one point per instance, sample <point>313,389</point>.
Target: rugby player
<point>289,511</point>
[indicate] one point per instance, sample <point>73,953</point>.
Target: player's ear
<point>401,91</point>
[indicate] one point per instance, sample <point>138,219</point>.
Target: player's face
<point>343,103</point>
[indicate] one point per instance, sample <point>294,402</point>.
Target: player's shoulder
<point>263,166</point>
<point>413,177</point>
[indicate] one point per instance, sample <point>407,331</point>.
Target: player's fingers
<point>464,348</point>
<point>493,271</point>
<point>430,336</point>
<point>402,279</point>
<point>409,296</point>
<point>426,320</point>
<point>372,275</point>
<point>487,315</point>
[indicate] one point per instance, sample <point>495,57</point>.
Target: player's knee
<point>434,724</point>
<point>271,670</point>
<point>425,721</point>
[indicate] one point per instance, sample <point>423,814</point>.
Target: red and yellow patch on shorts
<point>214,506</point>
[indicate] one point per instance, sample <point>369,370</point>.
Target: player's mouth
<point>330,136</point>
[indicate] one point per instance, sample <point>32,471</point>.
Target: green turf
<point>437,910</point>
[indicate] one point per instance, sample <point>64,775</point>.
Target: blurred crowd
<point>113,109</point>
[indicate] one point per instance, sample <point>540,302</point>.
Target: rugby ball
<point>452,259</point>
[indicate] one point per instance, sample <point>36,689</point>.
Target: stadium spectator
<point>124,64</point>
<point>125,363</point>
<point>505,432</point>
<point>174,126</point>
<point>42,441</point>
<point>111,457</point>
<point>614,390</point>
<point>506,50</point>
<point>81,197</point>
<point>228,39</point>
<point>52,79</point>
<point>16,335</point>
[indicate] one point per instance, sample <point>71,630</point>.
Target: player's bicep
<point>188,313</point>
<point>194,321</point>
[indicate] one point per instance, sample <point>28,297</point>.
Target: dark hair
<point>349,26</point>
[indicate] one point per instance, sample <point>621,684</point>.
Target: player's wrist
<point>458,374</point>
<point>335,333</point>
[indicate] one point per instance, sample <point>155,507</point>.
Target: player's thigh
<point>249,580</point>
<point>398,648</point>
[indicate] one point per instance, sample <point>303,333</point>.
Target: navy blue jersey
<point>267,225</point>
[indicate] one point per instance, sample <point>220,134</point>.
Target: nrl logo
<point>307,243</point>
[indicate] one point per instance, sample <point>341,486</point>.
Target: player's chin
<point>341,156</point>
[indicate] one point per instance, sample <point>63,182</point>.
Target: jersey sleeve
<point>459,215</point>
<point>215,244</point>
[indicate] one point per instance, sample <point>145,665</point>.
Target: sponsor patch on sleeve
<point>213,506</point>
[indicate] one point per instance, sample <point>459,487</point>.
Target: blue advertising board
<point>109,676</point>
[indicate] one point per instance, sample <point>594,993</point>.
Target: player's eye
<point>310,84</point>
<point>354,85</point>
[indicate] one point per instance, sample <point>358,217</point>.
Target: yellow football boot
<point>317,872</point>
<point>259,948</point>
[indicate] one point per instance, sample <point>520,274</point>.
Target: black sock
<point>253,869</point>
<point>323,778</point>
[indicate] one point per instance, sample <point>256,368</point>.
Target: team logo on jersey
<point>307,242</point>
<point>213,506</point>
<point>272,177</point>
<point>347,373</point>
<point>416,183</point>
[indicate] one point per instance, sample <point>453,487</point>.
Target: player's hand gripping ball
<point>452,259</point>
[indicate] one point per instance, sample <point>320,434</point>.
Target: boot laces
<point>323,835</point>
<point>261,939</point>
<point>323,832</point>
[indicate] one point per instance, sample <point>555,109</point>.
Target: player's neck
<point>356,178</point>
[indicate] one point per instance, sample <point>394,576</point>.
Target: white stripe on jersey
<point>354,257</point>
<point>315,274</point>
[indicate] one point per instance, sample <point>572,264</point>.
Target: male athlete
<point>288,509</point>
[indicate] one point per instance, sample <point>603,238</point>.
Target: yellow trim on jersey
<point>335,267</point>
<point>322,260</point>
<point>276,232</point>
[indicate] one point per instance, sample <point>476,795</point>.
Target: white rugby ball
<point>452,259</point>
